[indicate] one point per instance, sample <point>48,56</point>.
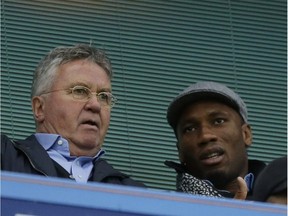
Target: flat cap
<point>205,90</point>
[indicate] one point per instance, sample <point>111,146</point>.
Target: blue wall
<point>43,196</point>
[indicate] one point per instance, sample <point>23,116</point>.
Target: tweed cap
<point>205,90</point>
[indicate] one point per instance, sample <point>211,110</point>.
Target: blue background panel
<point>41,196</point>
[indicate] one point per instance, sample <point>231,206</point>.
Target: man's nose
<point>93,104</point>
<point>207,134</point>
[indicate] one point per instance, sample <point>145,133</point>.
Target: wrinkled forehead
<point>82,72</point>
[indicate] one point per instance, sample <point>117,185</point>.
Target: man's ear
<point>38,107</point>
<point>247,134</point>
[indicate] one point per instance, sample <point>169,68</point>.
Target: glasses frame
<point>112,101</point>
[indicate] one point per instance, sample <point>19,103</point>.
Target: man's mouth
<point>91,123</point>
<point>212,157</point>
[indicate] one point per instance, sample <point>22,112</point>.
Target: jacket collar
<point>37,155</point>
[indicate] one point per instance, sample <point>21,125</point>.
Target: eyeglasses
<point>82,93</point>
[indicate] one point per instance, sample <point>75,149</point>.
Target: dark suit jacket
<point>28,156</point>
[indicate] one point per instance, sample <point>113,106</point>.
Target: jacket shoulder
<point>26,156</point>
<point>6,143</point>
<point>8,153</point>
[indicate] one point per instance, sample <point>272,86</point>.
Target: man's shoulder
<point>6,142</point>
<point>26,144</point>
<point>6,138</point>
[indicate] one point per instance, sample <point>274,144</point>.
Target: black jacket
<point>254,167</point>
<point>28,156</point>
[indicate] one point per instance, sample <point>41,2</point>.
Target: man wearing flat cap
<point>210,122</point>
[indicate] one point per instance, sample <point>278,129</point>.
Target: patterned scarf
<point>187,183</point>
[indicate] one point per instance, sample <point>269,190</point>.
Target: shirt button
<point>60,142</point>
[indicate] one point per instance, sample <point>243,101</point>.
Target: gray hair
<point>46,70</point>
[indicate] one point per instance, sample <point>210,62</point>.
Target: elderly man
<point>71,100</point>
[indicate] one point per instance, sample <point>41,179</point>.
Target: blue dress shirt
<point>58,149</point>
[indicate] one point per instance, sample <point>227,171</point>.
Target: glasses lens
<point>80,92</point>
<point>105,98</point>
<point>83,93</point>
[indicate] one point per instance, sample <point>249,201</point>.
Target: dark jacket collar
<point>37,155</point>
<point>41,161</point>
<point>254,167</point>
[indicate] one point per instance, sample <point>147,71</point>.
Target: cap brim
<point>176,108</point>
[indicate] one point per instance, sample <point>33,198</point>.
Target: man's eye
<point>219,121</point>
<point>189,129</point>
<point>104,96</point>
<point>80,91</point>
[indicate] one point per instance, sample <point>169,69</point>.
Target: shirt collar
<point>48,141</point>
<point>249,179</point>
